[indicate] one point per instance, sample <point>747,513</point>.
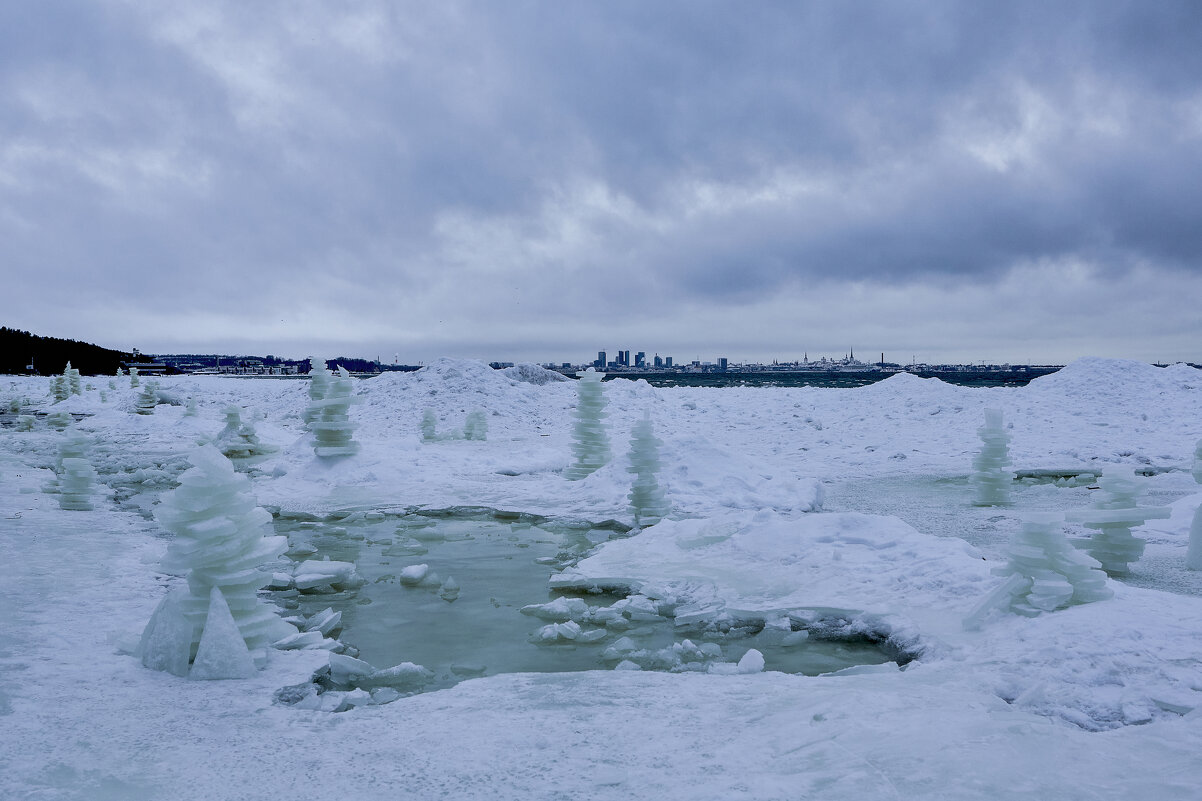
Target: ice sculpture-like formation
<point>429,426</point>
<point>59,390</point>
<point>1113,514</point>
<point>147,399</point>
<point>993,477</point>
<point>590,443</point>
<point>220,544</point>
<point>238,440</point>
<point>1193,557</point>
<point>1044,573</point>
<point>133,376</point>
<point>319,385</point>
<point>190,408</point>
<point>332,429</point>
<point>59,420</point>
<point>647,502</point>
<point>476,426</point>
<point>75,473</point>
<point>73,380</point>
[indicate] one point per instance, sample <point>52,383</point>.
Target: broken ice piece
<point>280,581</point>
<point>560,610</point>
<point>325,621</point>
<point>752,662</point>
<point>313,575</point>
<point>346,671</point>
<point>405,677</point>
<point>413,575</point>
<point>557,632</point>
<point>384,695</point>
<point>449,591</point>
<point>166,642</point>
<point>298,641</point>
<point>468,670</point>
<point>222,653</point>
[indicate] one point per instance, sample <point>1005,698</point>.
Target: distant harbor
<point>983,377</point>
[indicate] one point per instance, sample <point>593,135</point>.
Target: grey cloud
<point>229,151</point>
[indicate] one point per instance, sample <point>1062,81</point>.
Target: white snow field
<point>835,509</point>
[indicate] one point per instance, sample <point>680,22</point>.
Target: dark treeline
<point>48,355</point>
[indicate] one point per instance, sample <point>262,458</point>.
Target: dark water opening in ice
<point>501,566</point>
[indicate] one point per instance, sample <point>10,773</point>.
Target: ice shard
<point>221,653</point>
<point>167,639</point>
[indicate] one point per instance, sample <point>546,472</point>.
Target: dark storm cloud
<point>411,155</point>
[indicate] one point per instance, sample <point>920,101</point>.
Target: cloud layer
<point>541,180</point>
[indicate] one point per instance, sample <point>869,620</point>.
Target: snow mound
<point>533,374</point>
<point>1101,379</point>
<point>761,561</point>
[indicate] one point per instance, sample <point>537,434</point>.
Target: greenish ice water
<point>501,567</point>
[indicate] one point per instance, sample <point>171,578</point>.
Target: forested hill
<point>50,354</point>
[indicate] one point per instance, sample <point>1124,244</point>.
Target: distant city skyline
<point>947,182</point>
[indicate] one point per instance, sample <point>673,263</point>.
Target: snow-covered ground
<point>782,502</point>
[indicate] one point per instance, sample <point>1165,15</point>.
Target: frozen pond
<point>501,566</point>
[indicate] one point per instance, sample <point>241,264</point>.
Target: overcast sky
<point>537,181</point>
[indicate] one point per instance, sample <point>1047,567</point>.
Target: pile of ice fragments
<point>1043,573</point>
<point>238,441</point>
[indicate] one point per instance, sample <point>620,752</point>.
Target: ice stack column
<point>1112,516</point>
<point>75,475</point>
<point>590,443</point>
<point>332,429</point>
<point>1193,557</point>
<point>207,629</point>
<point>993,476</point>
<point>319,385</point>
<point>648,505</point>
